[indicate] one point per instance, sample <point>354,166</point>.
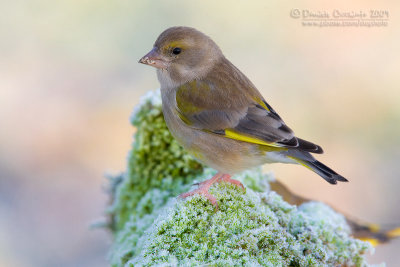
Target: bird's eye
<point>176,51</point>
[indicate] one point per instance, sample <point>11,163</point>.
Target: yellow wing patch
<point>249,139</point>
<point>261,103</point>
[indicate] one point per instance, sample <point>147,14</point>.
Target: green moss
<point>253,228</point>
<point>156,162</point>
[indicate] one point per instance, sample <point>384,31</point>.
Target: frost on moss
<point>252,228</point>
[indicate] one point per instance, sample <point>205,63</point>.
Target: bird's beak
<point>153,58</point>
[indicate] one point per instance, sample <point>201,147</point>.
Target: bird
<point>217,114</point>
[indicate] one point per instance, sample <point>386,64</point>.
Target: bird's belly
<point>227,155</point>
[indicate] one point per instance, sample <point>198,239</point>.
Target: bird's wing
<point>237,114</point>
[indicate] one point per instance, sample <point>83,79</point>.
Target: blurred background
<point>69,79</point>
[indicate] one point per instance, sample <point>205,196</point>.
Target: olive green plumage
<point>217,114</point>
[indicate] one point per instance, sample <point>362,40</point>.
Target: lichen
<point>253,228</point>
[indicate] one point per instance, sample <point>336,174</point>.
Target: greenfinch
<point>218,115</point>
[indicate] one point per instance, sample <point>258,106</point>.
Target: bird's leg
<point>227,179</point>
<point>205,186</point>
<point>203,189</point>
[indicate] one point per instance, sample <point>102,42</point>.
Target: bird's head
<point>182,54</point>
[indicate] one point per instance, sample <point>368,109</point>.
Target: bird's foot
<point>203,190</point>
<point>227,179</point>
<point>205,186</point>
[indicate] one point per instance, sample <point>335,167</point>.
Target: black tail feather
<point>325,172</point>
<point>306,159</point>
<point>309,147</point>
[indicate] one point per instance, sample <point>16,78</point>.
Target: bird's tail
<point>321,169</point>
